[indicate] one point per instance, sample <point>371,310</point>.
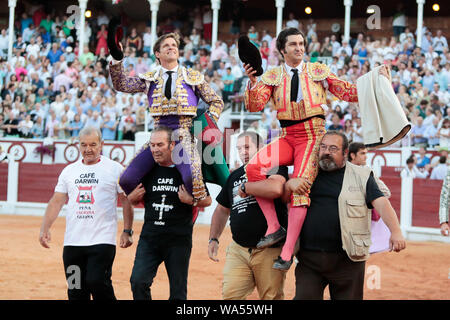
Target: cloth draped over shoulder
<point>382,116</point>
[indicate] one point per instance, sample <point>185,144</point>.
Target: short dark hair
<point>443,159</point>
<point>282,38</point>
<point>343,136</point>
<point>165,129</point>
<point>256,138</point>
<point>354,147</point>
<point>410,160</point>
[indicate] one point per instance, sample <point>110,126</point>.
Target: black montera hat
<point>249,54</point>
<point>115,34</point>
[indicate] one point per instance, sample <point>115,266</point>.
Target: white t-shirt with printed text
<point>91,211</point>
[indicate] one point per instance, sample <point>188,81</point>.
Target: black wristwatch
<point>129,231</point>
<point>214,239</point>
<point>243,188</point>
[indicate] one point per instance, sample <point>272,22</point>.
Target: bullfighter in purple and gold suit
<point>173,95</point>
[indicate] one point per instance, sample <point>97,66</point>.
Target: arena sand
<point>29,271</point>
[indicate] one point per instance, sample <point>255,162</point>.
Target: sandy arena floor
<point>28,271</point>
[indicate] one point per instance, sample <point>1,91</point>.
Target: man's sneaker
<point>272,238</point>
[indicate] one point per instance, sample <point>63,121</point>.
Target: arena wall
<point>34,177</point>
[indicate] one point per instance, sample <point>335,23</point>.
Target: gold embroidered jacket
<point>275,84</point>
<point>190,86</point>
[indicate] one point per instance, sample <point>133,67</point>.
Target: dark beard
<point>326,163</point>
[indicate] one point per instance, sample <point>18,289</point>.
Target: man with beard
<point>335,238</point>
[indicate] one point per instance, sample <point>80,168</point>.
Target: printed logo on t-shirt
<point>240,204</point>
<point>85,195</point>
<point>161,208</point>
<point>85,198</point>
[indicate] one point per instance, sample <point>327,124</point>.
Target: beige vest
<point>354,216</point>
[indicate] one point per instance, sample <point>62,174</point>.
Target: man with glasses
<point>298,89</point>
<point>335,238</point>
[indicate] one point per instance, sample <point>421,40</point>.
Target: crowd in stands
<point>48,90</point>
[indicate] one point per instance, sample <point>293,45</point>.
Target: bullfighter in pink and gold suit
<point>299,97</point>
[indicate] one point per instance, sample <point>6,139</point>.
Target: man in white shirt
<point>29,33</point>
<point>439,42</point>
<point>91,186</point>
<point>335,46</point>
<point>411,170</point>
<point>147,39</point>
<point>345,47</point>
<point>3,43</point>
<point>33,49</point>
<point>292,23</point>
<point>440,171</point>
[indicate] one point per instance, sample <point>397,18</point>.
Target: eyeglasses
<point>331,149</point>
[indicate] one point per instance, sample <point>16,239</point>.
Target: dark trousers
<point>316,270</point>
<point>149,255</point>
<point>88,271</point>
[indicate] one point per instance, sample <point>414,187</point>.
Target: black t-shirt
<point>165,215</point>
<point>247,222</point>
<point>321,230</point>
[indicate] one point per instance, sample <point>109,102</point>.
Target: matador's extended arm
<point>122,82</point>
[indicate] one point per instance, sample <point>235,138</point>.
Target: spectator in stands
<point>236,70</point>
<point>399,20</point>
<point>10,125</point>
<point>24,127</point>
<point>292,22</point>
<point>51,125</point>
<point>64,128</point>
<point>439,42</point>
<point>134,40</point>
<point>95,120</point>
<point>37,130</point>
<point>253,35</point>
<point>444,134</point>
<point>76,125</point>
<point>432,133</point>
<point>422,160</point>
<point>128,124</point>
<point>440,171</point>
<point>411,170</point>
<point>228,81</point>
<point>349,130</point>
<point>358,131</point>
<point>54,54</point>
<point>102,35</point>
<point>417,133</point>
<point>335,126</point>
<point>218,54</point>
<point>87,57</point>
<point>207,22</point>
<point>109,128</point>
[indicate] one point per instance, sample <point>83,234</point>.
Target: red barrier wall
<point>426,195</point>
<point>37,182</point>
<point>3,181</point>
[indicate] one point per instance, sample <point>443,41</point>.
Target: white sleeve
<point>419,174</point>
<point>61,186</point>
<point>120,169</point>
